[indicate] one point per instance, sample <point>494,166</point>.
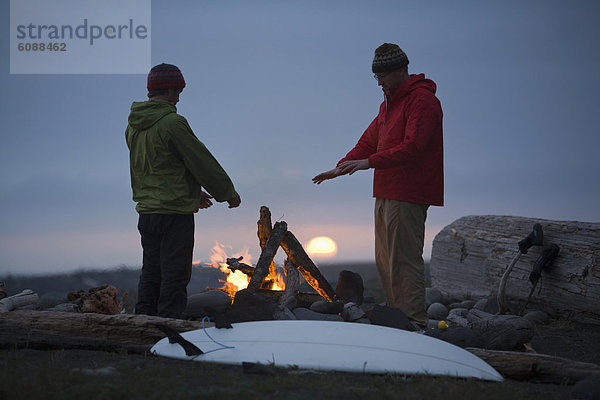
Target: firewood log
<point>292,285</point>
<point>540,367</point>
<point>66,330</point>
<point>264,231</point>
<point>266,256</point>
<point>307,268</point>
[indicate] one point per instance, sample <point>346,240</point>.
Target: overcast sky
<point>280,91</point>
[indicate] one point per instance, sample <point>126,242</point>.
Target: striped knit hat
<point>389,57</point>
<point>165,76</point>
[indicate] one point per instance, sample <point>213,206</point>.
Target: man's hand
<point>323,176</point>
<point>205,200</point>
<point>351,166</point>
<point>235,202</point>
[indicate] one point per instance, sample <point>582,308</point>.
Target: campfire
<point>238,273</point>
<point>247,284</point>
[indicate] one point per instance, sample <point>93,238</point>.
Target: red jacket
<point>404,144</point>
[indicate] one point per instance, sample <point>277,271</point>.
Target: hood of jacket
<point>413,83</point>
<point>145,114</point>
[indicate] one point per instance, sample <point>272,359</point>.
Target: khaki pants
<point>399,238</point>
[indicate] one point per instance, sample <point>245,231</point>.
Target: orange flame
<point>238,280</point>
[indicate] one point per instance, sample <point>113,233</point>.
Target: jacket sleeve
<point>422,125</point>
<point>366,146</point>
<point>203,166</point>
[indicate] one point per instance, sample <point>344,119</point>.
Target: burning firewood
<point>307,268</point>
<point>265,228</point>
<point>292,285</point>
<point>234,264</point>
<point>266,256</point>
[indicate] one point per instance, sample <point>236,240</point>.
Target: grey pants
<point>399,239</point>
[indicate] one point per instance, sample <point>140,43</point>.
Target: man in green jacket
<point>169,169</point>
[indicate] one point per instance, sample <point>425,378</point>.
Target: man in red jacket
<point>404,145</point>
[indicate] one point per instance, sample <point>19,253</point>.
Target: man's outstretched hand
<point>323,176</point>
<point>345,168</point>
<point>351,166</point>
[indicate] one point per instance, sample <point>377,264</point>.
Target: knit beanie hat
<point>389,57</point>
<point>165,76</point>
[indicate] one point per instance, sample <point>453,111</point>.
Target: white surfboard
<point>331,346</point>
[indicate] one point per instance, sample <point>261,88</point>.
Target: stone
<point>391,317</point>
<point>480,304</point>
<point>352,312</point>
<point>433,295</point>
<point>283,313</point>
<point>457,320</point>
<point>209,303</point>
<point>247,306</point>
<point>306,314</point>
<point>458,336</point>
<point>437,311</point>
<point>461,312</point>
<point>349,287</point>
<point>363,321</point>
<point>468,304</point>
<point>432,324</point>
<point>537,317</point>
<point>326,307</point>
<point>501,332</point>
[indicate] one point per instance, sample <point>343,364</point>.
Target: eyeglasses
<point>381,76</point>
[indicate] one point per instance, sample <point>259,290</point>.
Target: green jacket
<point>168,164</point>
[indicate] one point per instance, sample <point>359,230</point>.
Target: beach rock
<point>247,306</point>
<point>480,304</point>
<point>458,317</point>
<point>458,336</point>
<point>209,303</point>
<point>283,313</point>
<point>433,295</point>
<point>461,312</point>
<point>468,304</point>
<point>306,314</point>
<point>326,307</point>
<point>352,312</point>
<point>432,324</point>
<point>537,317</point>
<point>501,332</point>
<point>391,317</point>
<point>437,311</point>
<point>350,288</point>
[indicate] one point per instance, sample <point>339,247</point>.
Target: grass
<point>78,374</point>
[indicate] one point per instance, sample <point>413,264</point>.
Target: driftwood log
<point>264,232</point>
<point>292,285</point>
<point>539,367</point>
<point>470,255</point>
<point>25,298</point>
<point>65,330</point>
<point>307,268</point>
<point>266,256</point>
<point>138,333</point>
<point>296,255</point>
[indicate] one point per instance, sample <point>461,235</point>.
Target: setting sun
<point>321,246</point>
